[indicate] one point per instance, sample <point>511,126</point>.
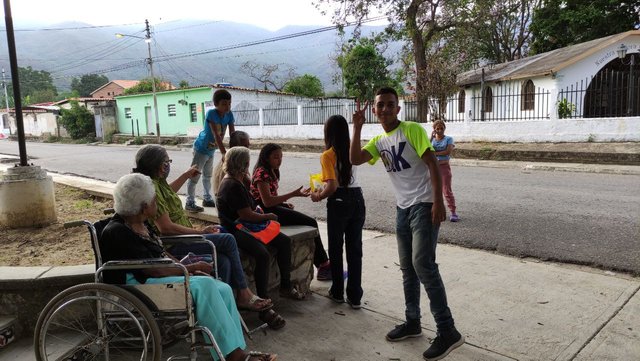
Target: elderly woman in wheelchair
<point>129,236</point>
<point>170,219</point>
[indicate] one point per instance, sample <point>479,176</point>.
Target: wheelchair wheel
<point>96,321</point>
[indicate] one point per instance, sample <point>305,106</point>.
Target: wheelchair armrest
<point>145,263</point>
<point>193,239</point>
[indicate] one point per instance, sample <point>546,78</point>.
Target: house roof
<point>542,64</point>
<point>82,99</point>
<point>213,87</point>
<point>124,84</point>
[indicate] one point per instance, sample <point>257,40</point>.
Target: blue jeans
<point>205,164</point>
<point>229,266</point>
<point>417,239</point>
<point>345,219</point>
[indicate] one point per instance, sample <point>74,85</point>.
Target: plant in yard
<point>565,108</point>
<point>78,121</point>
<point>138,140</point>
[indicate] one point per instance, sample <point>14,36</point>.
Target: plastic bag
<point>315,182</point>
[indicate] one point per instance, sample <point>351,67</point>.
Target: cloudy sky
<point>271,15</point>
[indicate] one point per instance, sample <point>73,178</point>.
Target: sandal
<point>256,304</point>
<point>261,356</point>
<point>293,294</point>
<point>273,319</point>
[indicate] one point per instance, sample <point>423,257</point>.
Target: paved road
<point>583,218</point>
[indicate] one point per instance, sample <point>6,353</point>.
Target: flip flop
<point>253,306</point>
<point>292,293</point>
<point>263,356</point>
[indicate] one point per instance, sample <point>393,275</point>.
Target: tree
<point>503,33</point>
<point>36,86</point>
<point>268,74</point>
<point>364,68</point>
<point>145,86</point>
<point>183,84</point>
<point>86,84</point>
<point>559,23</point>
<point>306,86</point>
<point>78,121</point>
<point>419,22</point>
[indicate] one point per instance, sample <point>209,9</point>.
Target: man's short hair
<point>387,90</point>
<point>221,94</point>
<point>132,192</point>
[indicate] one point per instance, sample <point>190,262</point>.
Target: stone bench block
<point>302,249</point>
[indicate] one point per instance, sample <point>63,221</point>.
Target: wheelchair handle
<point>76,224</point>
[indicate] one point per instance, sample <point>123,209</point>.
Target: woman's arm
<point>446,151</point>
<point>168,228</point>
<point>178,182</point>
<point>247,214</point>
<point>271,201</point>
<point>329,189</point>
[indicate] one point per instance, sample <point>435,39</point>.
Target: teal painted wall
<point>142,115</point>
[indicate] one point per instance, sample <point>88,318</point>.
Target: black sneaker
<point>443,344</point>
<point>404,331</point>
<point>193,208</point>
<point>354,305</point>
<point>334,298</point>
<point>208,203</point>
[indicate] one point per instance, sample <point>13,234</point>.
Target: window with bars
<point>194,112</point>
<point>488,100</point>
<point>127,113</point>
<point>171,108</point>
<point>528,95</point>
<point>461,96</point>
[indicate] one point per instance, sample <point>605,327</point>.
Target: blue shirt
<point>441,145</point>
<point>206,142</point>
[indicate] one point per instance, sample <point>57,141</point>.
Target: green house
<point>178,111</point>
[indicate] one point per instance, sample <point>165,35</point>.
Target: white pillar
<point>299,115</point>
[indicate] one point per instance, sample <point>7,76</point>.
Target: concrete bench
<point>302,248</point>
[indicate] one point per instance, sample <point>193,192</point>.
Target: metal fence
<point>280,112</point>
<point>609,93</point>
<point>317,111</point>
<point>508,102</point>
<point>246,113</point>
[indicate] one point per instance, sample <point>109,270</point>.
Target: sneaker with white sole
<point>454,217</point>
<point>444,343</point>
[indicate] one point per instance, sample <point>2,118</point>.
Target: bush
<point>78,121</point>
<point>565,109</point>
<point>138,140</point>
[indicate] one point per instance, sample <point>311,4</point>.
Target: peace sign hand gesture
<point>358,117</point>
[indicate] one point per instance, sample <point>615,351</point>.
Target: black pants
<point>259,251</point>
<point>345,219</point>
<point>290,217</point>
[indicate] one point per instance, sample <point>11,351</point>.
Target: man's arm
<point>357,155</point>
<point>438,213</point>
<point>217,137</point>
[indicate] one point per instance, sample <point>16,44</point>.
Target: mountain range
<point>199,52</point>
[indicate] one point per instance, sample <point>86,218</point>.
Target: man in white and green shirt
<point>409,159</point>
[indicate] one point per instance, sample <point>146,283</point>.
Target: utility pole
<point>153,79</point>
<point>6,99</point>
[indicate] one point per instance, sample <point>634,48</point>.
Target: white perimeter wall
<point>561,130</point>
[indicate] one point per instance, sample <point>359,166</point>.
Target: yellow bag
<point>315,182</point>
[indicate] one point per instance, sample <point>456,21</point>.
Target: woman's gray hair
<point>132,192</point>
<point>236,161</point>
<point>149,159</point>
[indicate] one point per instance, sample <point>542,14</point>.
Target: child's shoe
<point>454,217</point>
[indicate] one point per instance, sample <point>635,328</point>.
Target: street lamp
<point>147,39</point>
<point>622,53</point>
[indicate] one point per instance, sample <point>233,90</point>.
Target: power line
<point>72,28</point>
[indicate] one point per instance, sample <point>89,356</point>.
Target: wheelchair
<point>103,321</point>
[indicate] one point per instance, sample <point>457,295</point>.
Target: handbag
<point>264,231</point>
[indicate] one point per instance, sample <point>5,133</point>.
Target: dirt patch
<point>54,245</point>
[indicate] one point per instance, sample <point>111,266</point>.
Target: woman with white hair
<point>170,219</point>
<point>129,236</point>
<point>236,204</point>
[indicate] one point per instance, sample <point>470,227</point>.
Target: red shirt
<point>263,175</point>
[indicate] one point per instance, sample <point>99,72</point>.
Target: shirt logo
<point>393,161</point>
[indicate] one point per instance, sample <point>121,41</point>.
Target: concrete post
<point>299,115</point>
<point>27,197</point>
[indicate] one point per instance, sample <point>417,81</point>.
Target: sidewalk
<point>507,308</point>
